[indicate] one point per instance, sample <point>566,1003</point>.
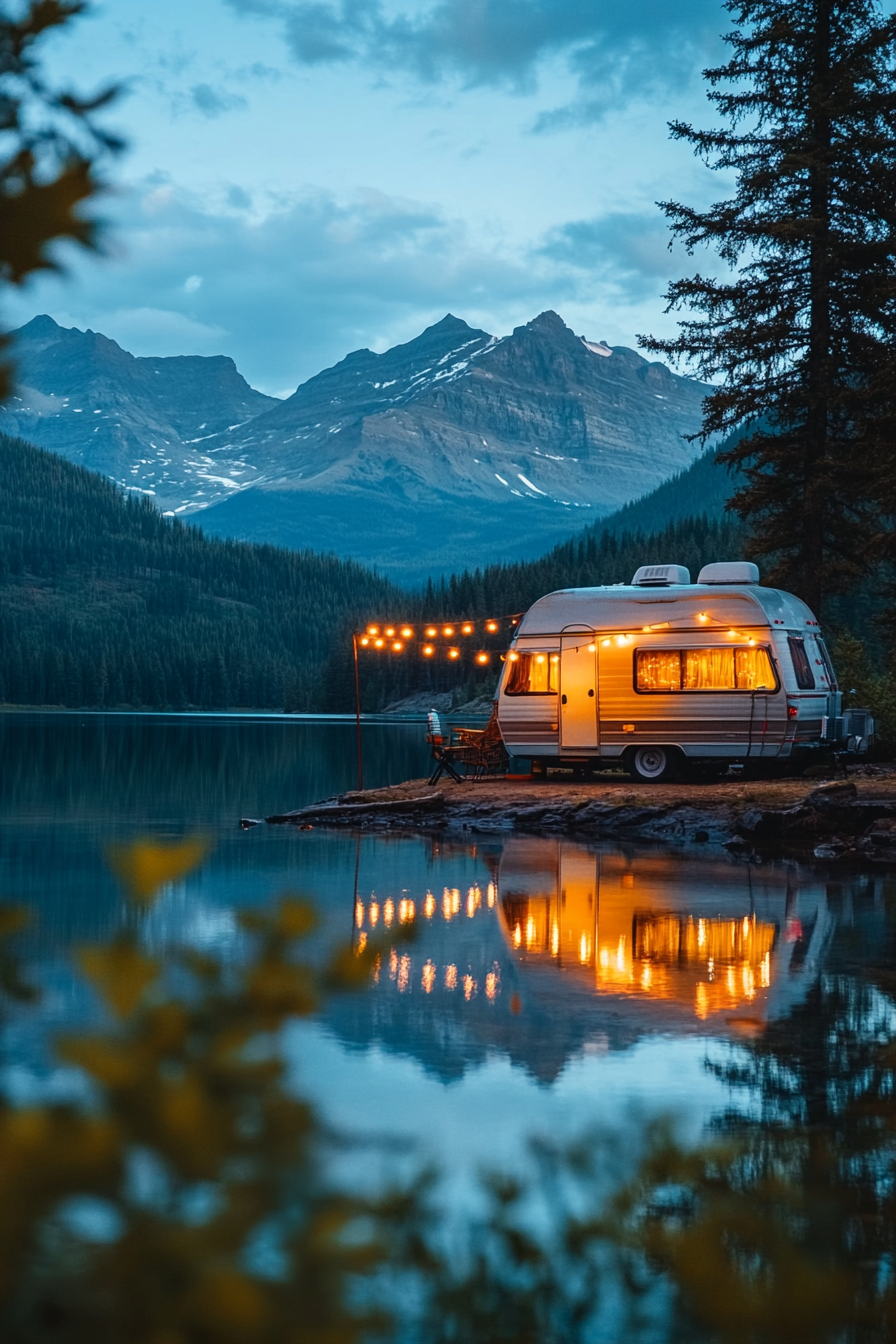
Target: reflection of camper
<point>664,672</point>
<point>698,940</point>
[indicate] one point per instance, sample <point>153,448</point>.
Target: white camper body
<point>717,672</point>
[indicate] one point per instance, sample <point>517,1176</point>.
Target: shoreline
<point>852,818</point>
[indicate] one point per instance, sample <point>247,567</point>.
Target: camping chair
<point>480,751</point>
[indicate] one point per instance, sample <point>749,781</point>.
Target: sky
<point>304,178</point>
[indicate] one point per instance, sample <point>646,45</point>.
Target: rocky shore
<point>853,818</point>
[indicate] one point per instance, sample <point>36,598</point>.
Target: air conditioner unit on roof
<point>731,571</point>
<point>660,576</point>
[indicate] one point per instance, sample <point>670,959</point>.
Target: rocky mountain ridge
<point>454,449</point>
<point>147,423</point>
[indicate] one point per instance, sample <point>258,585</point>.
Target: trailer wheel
<point>650,765</point>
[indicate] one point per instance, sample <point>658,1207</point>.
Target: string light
<point>448,631</point>
<point>398,646</point>
<point>390,632</point>
<point>431,632</point>
<point>407,632</point>
<point>378,643</point>
<point>491,626</point>
<point>428,650</point>
<point>482,658</point>
<point>364,640</point>
<point>466,628</point>
<point>454,653</point>
<point>373,629</point>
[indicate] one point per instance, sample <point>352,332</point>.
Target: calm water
<point>551,985</point>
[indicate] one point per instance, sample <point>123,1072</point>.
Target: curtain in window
<point>533,674</point>
<point>708,670</point>
<point>754,669</point>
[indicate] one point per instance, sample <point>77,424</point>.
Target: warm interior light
<point>398,646</point>
<point>482,657</point>
<point>431,632</point>
<point>514,657</point>
<point>448,631</point>
<point>373,629</point>
<point>702,616</point>
<point>378,643</point>
<point>591,648</point>
<point>428,650</point>
<point>555,658</point>
<point>732,634</point>
<point>606,643</point>
<point>491,626</point>
<point>539,657</point>
<point>407,632</point>
<point>466,628</point>
<point>454,653</point>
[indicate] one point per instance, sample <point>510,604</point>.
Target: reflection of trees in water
<point>785,1228</point>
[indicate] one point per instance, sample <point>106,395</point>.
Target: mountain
<point>461,448</point>
<point>457,448</point>
<point>151,425</point>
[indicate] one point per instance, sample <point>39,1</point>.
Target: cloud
<point>214,102</point>
<point>288,294</point>
<point>613,51</point>
<point>625,248</point>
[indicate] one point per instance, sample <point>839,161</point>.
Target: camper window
<point>533,674</point>
<point>718,669</point>
<point>801,665</point>
<point>826,659</point>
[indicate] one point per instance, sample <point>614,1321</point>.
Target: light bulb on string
<point>431,632</point>
<point>390,632</point>
<point>466,628</point>
<point>454,653</point>
<point>482,657</point>
<point>364,640</point>
<point>428,650</point>
<point>491,626</point>
<point>448,631</point>
<point>373,629</point>
<point>378,643</point>
<point>397,646</point>
<point>407,632</point>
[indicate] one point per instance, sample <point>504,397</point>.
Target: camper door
<point>578,693</point>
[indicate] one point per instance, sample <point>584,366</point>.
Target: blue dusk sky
<point>306,177</point>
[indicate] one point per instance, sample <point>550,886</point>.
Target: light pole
<point>358,714</point>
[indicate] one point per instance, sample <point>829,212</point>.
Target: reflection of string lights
<point>719,962</point>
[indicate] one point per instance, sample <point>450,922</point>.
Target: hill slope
<point>106,603</point>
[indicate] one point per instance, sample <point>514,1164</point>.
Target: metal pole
<point>358,713</point>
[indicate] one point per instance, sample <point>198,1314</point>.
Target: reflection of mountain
<point>570,950</point>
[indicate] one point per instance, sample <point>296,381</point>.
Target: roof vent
<point>660,576</point>
<point>732,571</point>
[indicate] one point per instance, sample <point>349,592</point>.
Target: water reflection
<point>561,948</point>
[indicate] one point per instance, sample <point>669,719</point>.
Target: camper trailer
<point>662,674</point>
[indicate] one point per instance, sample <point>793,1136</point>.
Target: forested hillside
<point>106,603</point>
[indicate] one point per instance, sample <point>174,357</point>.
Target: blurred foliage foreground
<point>192,1200</point>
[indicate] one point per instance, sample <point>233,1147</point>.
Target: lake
<point>549,987</point>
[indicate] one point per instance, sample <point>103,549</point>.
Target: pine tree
<point>798,336</point>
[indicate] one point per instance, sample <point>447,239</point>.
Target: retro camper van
<point>663,673</point>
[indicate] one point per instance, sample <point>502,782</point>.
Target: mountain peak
<point>449,323</point>
<point>40,328</point>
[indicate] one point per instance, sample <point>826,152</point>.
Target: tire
<point>651,765</point>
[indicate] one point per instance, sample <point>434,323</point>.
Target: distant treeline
<point>107,604</point>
